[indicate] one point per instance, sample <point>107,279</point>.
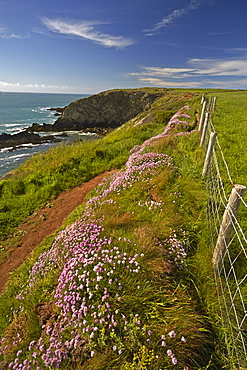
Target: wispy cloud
<point>236,49</point>
<point>198,72</point>
<point>222,33</point>
<point>164,72</point>
<point>219,67</point>
<point>86,30</point>
<point>6,35</point>
<point>172,17</point>
<point>161,82</point>
<point>233,84</point>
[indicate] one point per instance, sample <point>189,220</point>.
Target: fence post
<point>209,153</point>
<point>205,127</point>
<point>227,223</point>
<point>210,104</point>
<point>214,104</point>
<point>202,115</point>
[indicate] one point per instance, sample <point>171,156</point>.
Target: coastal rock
<point>57,109</point>
<point>36,127</point>
<point>108,109</point>
<point>24,137</point>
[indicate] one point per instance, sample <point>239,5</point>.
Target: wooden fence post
<point>214,104</point>
<point>205,127</point>
<point>210,104</point>
<point>202,115</point>
<point>209,153</point>
<point>227,223</point>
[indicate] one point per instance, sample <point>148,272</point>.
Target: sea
<point>19,111</point>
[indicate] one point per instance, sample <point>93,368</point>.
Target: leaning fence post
<point>205,127</point>
<point>202,115</point>
<point>227,223</point>
<point>209,153</point>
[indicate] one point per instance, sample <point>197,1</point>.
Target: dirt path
<point>45,223</point>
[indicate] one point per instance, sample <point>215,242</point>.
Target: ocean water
<point>20,110</point>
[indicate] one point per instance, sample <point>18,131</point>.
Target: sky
<point>89,46</point>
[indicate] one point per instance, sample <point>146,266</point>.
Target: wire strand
<point>230,275</point>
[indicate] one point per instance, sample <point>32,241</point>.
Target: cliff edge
<point>108,109</point>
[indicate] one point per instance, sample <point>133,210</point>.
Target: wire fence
<point>228,229</point>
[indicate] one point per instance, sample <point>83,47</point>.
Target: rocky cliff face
<point>108,109</point>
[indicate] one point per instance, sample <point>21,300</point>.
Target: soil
<point>44,223</point>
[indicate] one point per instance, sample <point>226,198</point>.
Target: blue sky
<point>88,46</point>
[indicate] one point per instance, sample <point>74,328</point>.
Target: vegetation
<point>127,283</point>
<point>45,175</point>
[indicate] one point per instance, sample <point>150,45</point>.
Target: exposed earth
<point>44,223</point>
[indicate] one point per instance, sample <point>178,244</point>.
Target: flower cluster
<point>139,122</point>
<point>174,251</point>
<point>89,288</point>
<point>138,167</point>
<point>175,122</point>
<point>151,204</point>
<point>165,343</point>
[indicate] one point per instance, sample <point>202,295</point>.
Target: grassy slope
<point>164,297</point>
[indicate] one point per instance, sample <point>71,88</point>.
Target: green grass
<point>46,175</point>
<point>148,213</point>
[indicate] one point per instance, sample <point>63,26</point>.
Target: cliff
<point>108,109</point>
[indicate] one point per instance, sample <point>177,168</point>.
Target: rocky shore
<point>24,137</point>
<point>98,114</point>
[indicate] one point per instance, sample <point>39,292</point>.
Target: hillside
<point>104,111</point>
<point>127,282</point>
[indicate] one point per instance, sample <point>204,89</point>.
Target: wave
<point>42,110</point>
<point>15,157</point>
<point>59,133</point>
<point>12,124</point>
<point>87,133</point>
<point>5,150</point>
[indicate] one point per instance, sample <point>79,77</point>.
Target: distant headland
<point>99,113</point>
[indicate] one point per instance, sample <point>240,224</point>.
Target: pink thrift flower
<point>172,334</point>
<point>174,361</point>
<point>169,352</point>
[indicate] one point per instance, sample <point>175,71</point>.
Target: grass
<point>45,175</point>
<point>131,275</point>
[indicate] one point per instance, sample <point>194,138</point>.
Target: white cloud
<point>34,87</point>
<point>160,82</point>
<point>8,84</point>
<point>172,17</point>
<point>5,35</point>
<point>219,67</point>
<point>200,67</point>
<point>164,72</point>
<point>237,49</point>
<point>233,84</point>
<point>86,30</point>
<point>203,72</point>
